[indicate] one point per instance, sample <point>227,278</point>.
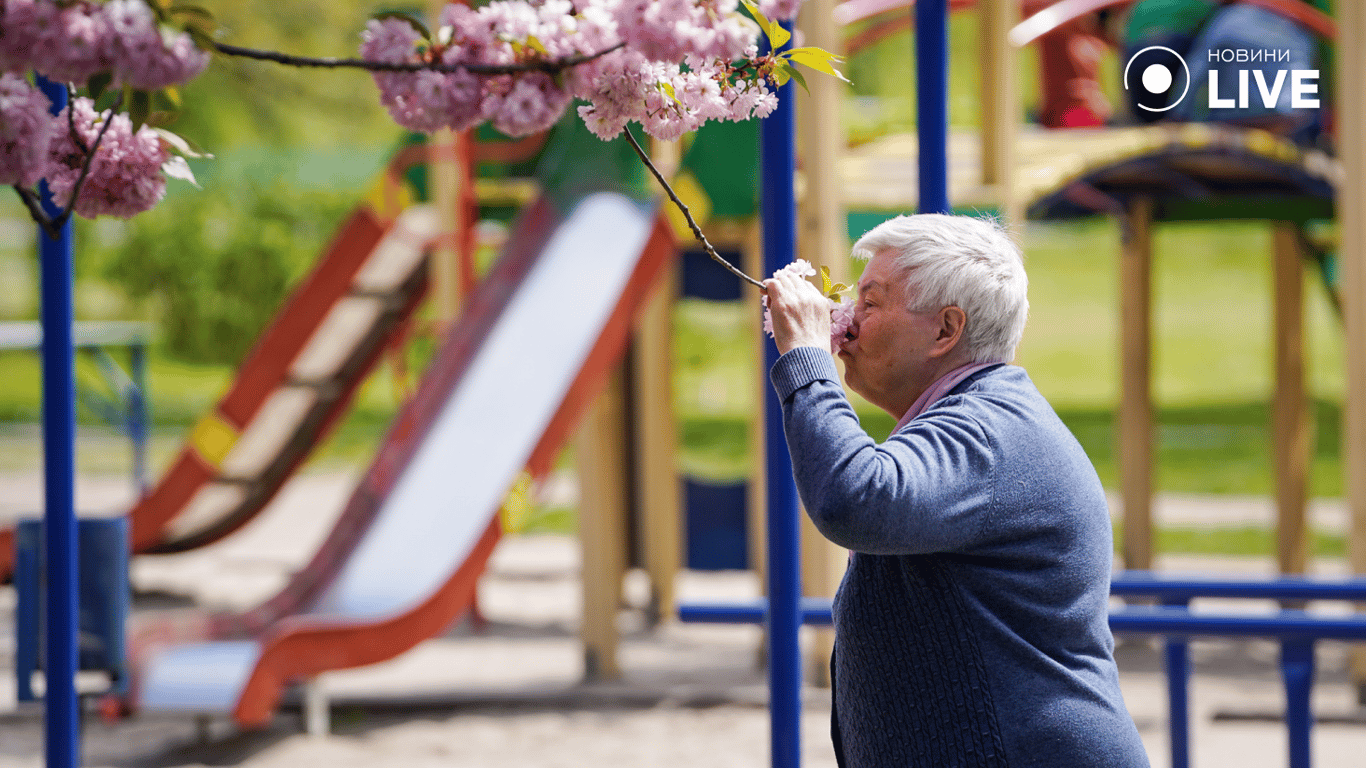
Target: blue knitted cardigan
<point>970,627</point>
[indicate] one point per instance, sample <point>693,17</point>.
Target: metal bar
<point>778,207</point>
<point>1177,658</point>
<point>1171,621</point>
<point>932,103</point>
<point>137,414</point>
<point>1297,669</point>
<point>1182,588</point>
<point>60,726</point>
<point>814,611</point>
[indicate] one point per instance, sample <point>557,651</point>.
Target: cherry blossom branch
<point>35,210</point>
<point>62,217</point>
<point>696,230</point>
<point>71,118</point>
<point>549,67</point>
<point>52,226</point>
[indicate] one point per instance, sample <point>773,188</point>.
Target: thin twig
<point>71,119</point>
<point>62,218</point>
<point>35,209</point>
<point>549,67</point>
<point>696,230</point>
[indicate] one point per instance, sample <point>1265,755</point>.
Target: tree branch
<point>71,119</point>
<point>35,209</point>
<point>696,230</point>
<point>549,67</point>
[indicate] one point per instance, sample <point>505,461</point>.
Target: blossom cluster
<point>127,174</point>
<point>71,42</point>
<point>672,65</point>
<point>26,129</point>
<point>841,309</point>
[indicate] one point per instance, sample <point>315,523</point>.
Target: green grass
<point>1245,541</point>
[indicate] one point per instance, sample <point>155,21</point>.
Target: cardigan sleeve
<point>928,488</point>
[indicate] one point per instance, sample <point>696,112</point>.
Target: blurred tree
<point>238,102</point>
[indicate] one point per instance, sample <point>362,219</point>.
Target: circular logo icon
<point>1157,78</point>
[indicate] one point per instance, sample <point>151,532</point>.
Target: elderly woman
<point>970,628</point>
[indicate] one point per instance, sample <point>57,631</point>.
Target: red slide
<point>512,378</point>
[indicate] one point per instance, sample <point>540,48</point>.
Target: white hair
<point>959,261</point>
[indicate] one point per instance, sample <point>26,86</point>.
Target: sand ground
<point>511,693</point>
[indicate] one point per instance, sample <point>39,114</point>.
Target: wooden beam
<point>824,241</point>
<point>1351,130</point>
<point>602,527</point>
<point>1290,403</point>
<point>1000,100</point>
<point>1135,420</point>
<point>756,501</point>
<point>658,493</point>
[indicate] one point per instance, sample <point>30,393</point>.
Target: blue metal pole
<point>1177,653</point>
<point>1297,670</point>
<point>62,748</point>
<point>778,207</point>
<point>932,102</point>
<point>136,408</point>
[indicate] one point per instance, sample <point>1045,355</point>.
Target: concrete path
<point>511,693</point>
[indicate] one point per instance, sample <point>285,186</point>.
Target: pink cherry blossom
<point>26,130</point>
<point>533,103</point>
<point>23,27</point>
<point>76,43</point>
<point>841,317</point>
<point>146,55</point>
<point>125,176</point>
<point>798,267</point>
<point>673,75</point>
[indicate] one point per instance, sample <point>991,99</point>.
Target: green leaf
<point>776,34</point>
<point>818,59</point>
<point>798,76</point>
<point>193,15</point>
<point>139,107</point>
<point>171,95</point>
<point>181,144</point>
<point>412,22</point>
<point>668,89</point>
<point>782,74</point>
<point>536,45</point>
<point>825,280</point>
<point>838,288</point>
<point>177,168</point>
<point>159,117</point>
<point>97,83</point>
<point>202,39</point>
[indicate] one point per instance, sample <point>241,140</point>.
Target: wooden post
<point>1351,106</point>
<point>1000,98</point>
<point>1290,411</point>
<point>1135,420</point>
<point>822,240</point>
<point>658,494</point>
<point>602,526</point>
<point>756,501</point>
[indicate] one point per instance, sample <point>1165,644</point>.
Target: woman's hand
<point>800,314</point>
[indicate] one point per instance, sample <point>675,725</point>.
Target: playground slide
<point>298,379</point>
<point>532,349</point>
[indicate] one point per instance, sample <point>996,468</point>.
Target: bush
<point>219,263</point>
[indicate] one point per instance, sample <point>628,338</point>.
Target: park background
<point>295,149</point>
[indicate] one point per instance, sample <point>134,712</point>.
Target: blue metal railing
<point>778,211</point>
<point>1296,630</point>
